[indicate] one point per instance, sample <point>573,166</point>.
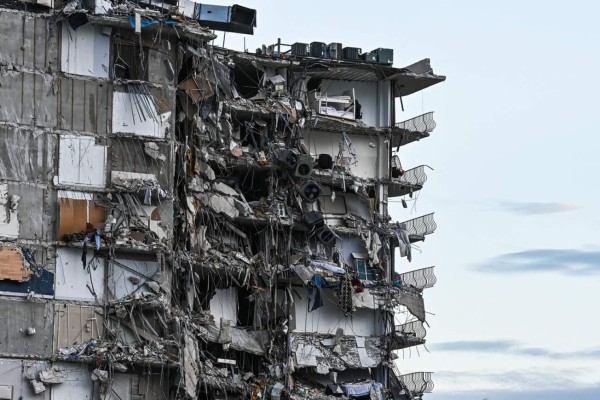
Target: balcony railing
<point>417,228</point>
<point>413,129</point>
<point>423,123</point>
<point>417,383</point>
<point>419,278</point>
<point>415,176</point>
<point>414,329</point>
<point>411,181</point>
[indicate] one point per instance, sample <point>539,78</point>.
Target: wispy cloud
<point>535,383</point>
<point>579,393</point>
<point>535,208</point>
<point>511,347</point>
<point>565,261</point>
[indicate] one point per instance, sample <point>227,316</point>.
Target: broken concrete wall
<point>28,40</point>
<point>84,105</point>
<point>16,376</point>
<point>25,154</point>
<point>28,99</point>
<point>169,228</point>
<point>39,265</point>
<point>24,212</point>
<point>133,155</point>
<point>27,327</point>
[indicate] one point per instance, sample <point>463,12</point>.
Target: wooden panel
<point>12,266</point>
<point>77,216</point>
<point>75,324</point>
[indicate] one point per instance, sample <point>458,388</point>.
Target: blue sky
<point>515,153</point>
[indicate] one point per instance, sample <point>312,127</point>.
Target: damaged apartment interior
<point>184,221</point>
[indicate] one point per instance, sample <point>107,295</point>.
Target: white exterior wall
<point>85,51</point>
<point>224,304</point>
<point>72,279</point>
<point>81,162</point>
<point>374,97</point>
<point>329,317</point>
<point>365,92</point>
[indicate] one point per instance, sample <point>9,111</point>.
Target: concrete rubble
<point>180,220</point>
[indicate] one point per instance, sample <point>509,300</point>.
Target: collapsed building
<point>185,221</point>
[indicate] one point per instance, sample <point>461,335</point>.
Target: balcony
<point>418,228</point>
<point>413,129</point>
<point>420,278</point>
<point>417,383</point>
<point>411,181</point>
<point>408,335</point>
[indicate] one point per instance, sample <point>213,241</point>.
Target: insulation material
<point>75,323</point>
<point>9,223</point>
<point>78,213</point>
<point>224,304</point>
<point>81,162</point>
<point>73,282</point>
<point>13,266</point>
<point>85,51</point>
<point>121,270</point>
<point>137,114</point>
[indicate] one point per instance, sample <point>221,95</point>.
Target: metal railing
<point>417,382</point>
<point>414,176</point>
<point>420,226</point>
<point>419,278</point>
<point>421,123</point>
<point>413,329</point>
